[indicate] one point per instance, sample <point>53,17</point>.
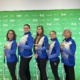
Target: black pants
<point>24,70</point>
<point>12,68</point>
<point>70,73</point>
<point>42,68</point>
<point>54,67</point>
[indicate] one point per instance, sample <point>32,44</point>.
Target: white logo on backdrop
<point>41,19</point>
<point>19,20</point>
<point>49,19</point>
<point>78,23</point>
<point>48,14</point>
<point>13,25</point>
<point>5,16</point>
<point>35,15</point>
<point>49,24</point>
<point>63,14</point>
<point>35,20</point>
<point>71,19</point>
<point>5,24</point>
<point>79,18</point>
<point>74,28</point>
<point>11,15</point>
<point>64,19</point>
<point>0,43</point>
<point>41,15</point>
<point>74,37</point>
<point>0,56</point>
<point>56,19</point>
<point>27,20</point>
<point>79,32</point>
<point>65,23</point>
<point>20,29</point>
<point>59,33</point>
<point>0,70</point>
<point>73,23</point>
<point>26,15</point>
<point>41,24</point>
<point>56,24</point>
<point>12,20</point>
<point>19,15</point>
<point>71,14</point>
<point>78,13</point>
<point>5,20</point>
<point>56,14</point>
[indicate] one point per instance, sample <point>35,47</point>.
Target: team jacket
<point>54,50</point>
<point>26,45</point>
<point>10,50</point>
<point>43,46</point>
<point>68,52</point>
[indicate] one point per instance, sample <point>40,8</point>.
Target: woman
<point>68,48</point>
<point>53,55</point>
<point>25,51</point>
<point>10,52</point>
<point>41,45</point>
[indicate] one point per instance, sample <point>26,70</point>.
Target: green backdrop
<point>56,20</point>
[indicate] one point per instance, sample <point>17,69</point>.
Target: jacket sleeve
<point>72,49</point>
<point>30,42</point>
<point>45,44</point>
<point>57,48</point>
<point>12,50</point>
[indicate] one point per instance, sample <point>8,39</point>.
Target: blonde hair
<point>68,31</point>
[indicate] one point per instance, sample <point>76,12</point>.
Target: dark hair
<point>27,25</point>
<point>14,35</point>
<point>40,34</point>
<point>53,31</point>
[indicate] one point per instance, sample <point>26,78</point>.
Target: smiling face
<point>67,34</point>
<point>10,35</point>
<point>26,29</point>
<point>52,35</point>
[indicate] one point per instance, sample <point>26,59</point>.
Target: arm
<point>72,49</point>
<point>12,50</point>
<point>57,48</point>
<point>45,44</point>
<point>30,43</point>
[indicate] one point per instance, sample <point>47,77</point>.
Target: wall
<point>38,4</point>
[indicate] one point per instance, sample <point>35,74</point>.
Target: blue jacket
<point>68,52</point>
<point>54,50</point>
<point>25,45</point>
<point>42,49</point>
<point>10,51</point>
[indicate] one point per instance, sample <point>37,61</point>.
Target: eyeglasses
<point>25,28</point>
<point>10,33</point>
<point>51,34</point>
